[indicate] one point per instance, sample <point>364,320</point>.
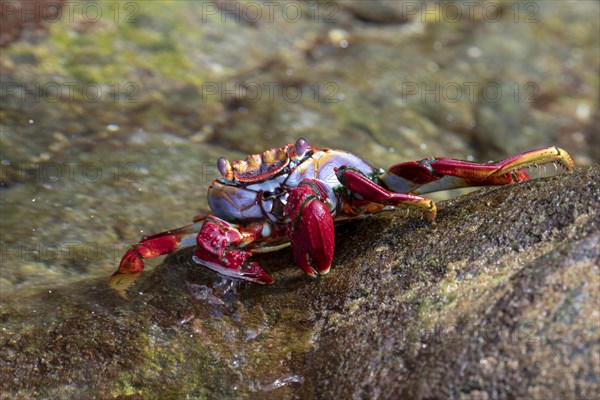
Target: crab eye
<point>223,165</point>
<point>300,147</point>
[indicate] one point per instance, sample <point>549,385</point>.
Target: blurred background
<point>114,113</point>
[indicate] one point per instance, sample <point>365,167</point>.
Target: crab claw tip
<point>254,273</point>
<point>131,262</point>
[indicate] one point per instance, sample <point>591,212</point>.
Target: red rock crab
<point>297,193</point>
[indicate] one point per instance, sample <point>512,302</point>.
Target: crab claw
<point>311,227</point>
<point>130,268</point>
<point>212,252</point>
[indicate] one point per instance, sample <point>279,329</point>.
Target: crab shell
<point>257,188</point>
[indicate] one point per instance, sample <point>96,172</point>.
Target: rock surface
<point>498,299</point>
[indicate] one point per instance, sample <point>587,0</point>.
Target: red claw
<point>311,227</point>
<point>129,269</point>
<point>132,262</point>
<point>212,252</point>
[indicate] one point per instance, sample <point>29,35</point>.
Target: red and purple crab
<point>297,194</point>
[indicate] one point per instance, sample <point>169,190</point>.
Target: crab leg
<point>217,247</point>
<point>360,184</point>
<point>151,246</point>
<point>437,173</point>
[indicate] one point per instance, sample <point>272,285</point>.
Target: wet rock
<point>498,299</point>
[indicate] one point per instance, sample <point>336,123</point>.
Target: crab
<point>297,194</point>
